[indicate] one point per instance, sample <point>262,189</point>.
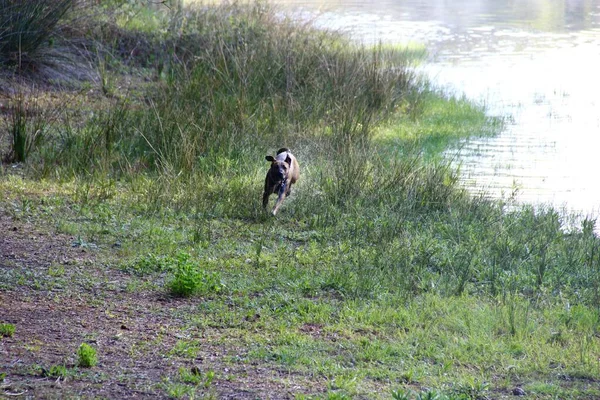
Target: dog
<point>284,172</point>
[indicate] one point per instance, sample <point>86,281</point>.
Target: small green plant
<point>406,394</point>
<point>86,356</point>
<point>7,330</point>
<point>471,389</point>
<point>55,371</point>
<point>191,376</point>
<point>188,278</point>
<point>148,264</point>
<point>185,348</point>
<point>196,377</point>
<point>209,376</point>
<point>401,394</point>
<point>178,390</point>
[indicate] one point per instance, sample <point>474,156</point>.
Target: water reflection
<point>552,16</point>
<point>533,60</point>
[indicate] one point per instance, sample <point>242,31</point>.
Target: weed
<point>472,389</point>
<point>188,279</point>
<point>190,376</point>
<point>7,330</point>
<point>55,371</point>
<point>402,394</point>
<point>190,383</point>
<point>86,356</point>
<point>25,127</point>
<point>186,348</point>
<point>178,390</point>
<point>148,264</point>
<point>56,270</point>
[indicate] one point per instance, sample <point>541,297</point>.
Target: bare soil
<point>59,295</point>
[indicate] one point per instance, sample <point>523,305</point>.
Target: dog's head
<point>280,167</point>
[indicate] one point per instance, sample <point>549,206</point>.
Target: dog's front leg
<point>280,198</point>
<point>267,192</point>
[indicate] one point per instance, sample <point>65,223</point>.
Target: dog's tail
<point>283,150</point>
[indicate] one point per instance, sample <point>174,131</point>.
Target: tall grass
<point>33,55</point>
<point>27,31</point>
<point>242,82</point>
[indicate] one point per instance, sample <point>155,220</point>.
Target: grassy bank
<point>135,206</point>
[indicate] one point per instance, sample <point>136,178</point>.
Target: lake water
<point>537,62</point>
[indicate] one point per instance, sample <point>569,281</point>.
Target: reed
<point>30,32</point>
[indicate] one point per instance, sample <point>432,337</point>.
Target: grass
<point>7,330</point>
<point>380,277</point>
<point>189,279</point>
<point>86,356</point>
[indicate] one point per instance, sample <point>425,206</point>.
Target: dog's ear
<point>288,160</point>
<point>270,158</point>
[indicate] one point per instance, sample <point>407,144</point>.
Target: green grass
<point>379,278</point>
<point>86,356</point>
<point>28,29</point>
<point>189,279</point>
<point>7,330</point>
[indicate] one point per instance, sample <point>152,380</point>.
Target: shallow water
<point>536,62</point>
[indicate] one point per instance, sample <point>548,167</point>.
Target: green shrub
<point>86,356</point>
<point>188,279</point>
<point>7,330</point>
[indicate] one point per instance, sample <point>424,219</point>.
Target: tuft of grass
<point>189,279</point>
<point>190,383</point>
<point>56,371</point>
<point>7,330</point>
<point>86,356</point>
<point>185,348</point>
<point>149,263</point>
<point>30,36</point>
<point>26,128</point>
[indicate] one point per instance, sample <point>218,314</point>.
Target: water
<point>536,62</point>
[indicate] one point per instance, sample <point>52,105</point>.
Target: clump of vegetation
<point>402,394</point>
<point>86,356</point>
<point>56,371</point>
<point>150,263</point>
<point>35,52</point>
<point>30,38</point>
<point>7,330</point>
<point>189,279</point>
